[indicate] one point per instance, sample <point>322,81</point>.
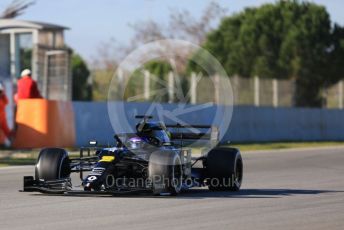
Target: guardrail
<point>44,123</point>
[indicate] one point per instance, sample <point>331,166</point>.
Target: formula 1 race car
<point>153,160</point>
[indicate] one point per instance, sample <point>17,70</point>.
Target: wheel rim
<point>177,175</point>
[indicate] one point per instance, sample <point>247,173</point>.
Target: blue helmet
<point>136,143</point>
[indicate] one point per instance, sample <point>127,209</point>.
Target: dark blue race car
<point>155,159</point>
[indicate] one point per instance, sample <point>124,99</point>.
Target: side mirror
<point>93,143</point>
<point>118,141</point>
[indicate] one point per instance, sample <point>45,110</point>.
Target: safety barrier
<point>43,123</point>
<point>249,123</point>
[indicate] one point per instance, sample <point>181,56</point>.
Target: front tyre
<point>165,172</point>
<point>224,167</point>
<point>52,164</point>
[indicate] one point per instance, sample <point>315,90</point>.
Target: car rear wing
<point>194,132</point>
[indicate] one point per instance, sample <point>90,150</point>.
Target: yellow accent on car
<point>107,159</point>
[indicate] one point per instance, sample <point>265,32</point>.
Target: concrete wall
<point>92,122</point>
<point>256,124</point>
<point>249,123</point>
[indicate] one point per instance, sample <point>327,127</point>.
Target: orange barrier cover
<point>43,123</point>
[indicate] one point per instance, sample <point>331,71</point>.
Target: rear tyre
<point>165,172</point>
<point>224,167</point>
<point>52,164</point>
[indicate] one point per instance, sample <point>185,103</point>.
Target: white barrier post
<point>146,90</point>
<point>170,87</point>
<point>193,89</point>
<point>256,91</point>
<point>120,78</point>
<point>275,92</point>
<point>235,85</point>
<point>217,89</point>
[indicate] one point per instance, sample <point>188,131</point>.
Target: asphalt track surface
<point>301,189</point>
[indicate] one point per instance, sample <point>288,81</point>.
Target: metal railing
<point>246,91</point>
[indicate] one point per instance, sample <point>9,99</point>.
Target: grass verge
<point>16,161</point>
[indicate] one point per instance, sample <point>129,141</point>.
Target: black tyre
<point>224,167</point>
<point>165,172</point>
<point>52,164</point>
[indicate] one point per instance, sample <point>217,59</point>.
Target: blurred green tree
<point>82,90</point>
<point>159,68</point>
<point>286,40</point>
<point>159,71</point>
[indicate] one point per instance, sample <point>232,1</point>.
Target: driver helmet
<point>135,143</point>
